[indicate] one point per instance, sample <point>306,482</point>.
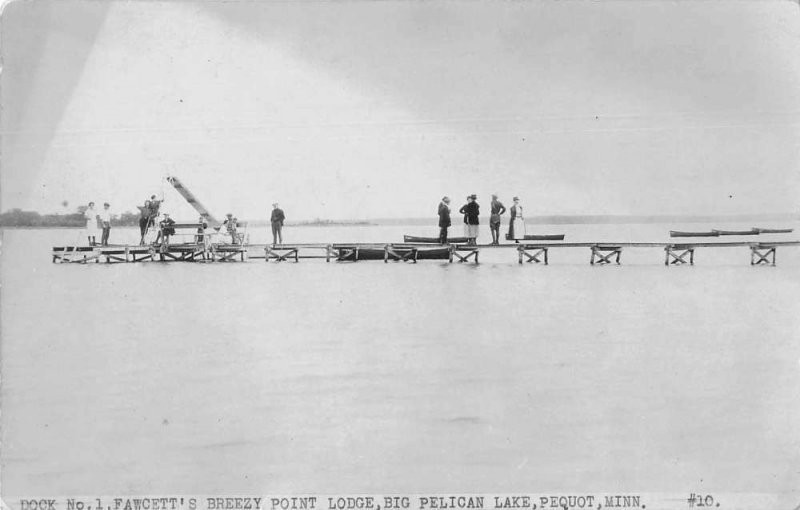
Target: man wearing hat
<point>444,219</point>
<point>166,229</point>
<point>276,219</point>
<point>471,211</point>
<point>494,220</point>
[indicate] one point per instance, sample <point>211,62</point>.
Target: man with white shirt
<point>105,222</point>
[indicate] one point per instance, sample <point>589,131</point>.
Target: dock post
<point>611,251</point>
<point>519,252</point>
<point>675,254</point>
<point>762,254</point>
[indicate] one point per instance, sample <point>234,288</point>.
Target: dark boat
<point>545,237</point>
<point>390,252</point>
<point>432,240</point>
<point>676,233</point>
<point>433,253</point>
<point>752,232</point>
<point>774,230</point>
<point>354,253</point>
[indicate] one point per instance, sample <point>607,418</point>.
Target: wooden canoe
<point>544,237</point>
<point>676,233</point>
<point>774,230</point>
<point>432,240</point>
<point>752,232</point>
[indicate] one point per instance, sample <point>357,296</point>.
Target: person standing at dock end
<point>276,219</point>
<point>516,227</point>
<point>494,220</point>
<point>105,222</point>
<point>471,211</point>
<point>444,219</point>
<point>91,224</point>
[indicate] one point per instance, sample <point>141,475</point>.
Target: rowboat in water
<point>432,240</point>
<point>677,233</point>
<point>774,230</point>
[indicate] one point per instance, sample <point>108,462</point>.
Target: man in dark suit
<point>276,219</point>
<point>444,219</point>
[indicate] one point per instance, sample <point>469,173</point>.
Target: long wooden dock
<point>601,253</point>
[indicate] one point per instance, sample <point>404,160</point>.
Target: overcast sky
<point>362,109</point>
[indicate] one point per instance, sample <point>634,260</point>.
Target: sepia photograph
<point>400,254</point>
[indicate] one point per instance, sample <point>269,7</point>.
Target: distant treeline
<point>20,218</point>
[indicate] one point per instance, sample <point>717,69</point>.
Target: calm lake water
<point>370,377</point>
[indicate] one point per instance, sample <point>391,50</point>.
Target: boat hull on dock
<point>676,233</point>
<point>433,240</point>
<point>752,232</point>
<point>544,237</point>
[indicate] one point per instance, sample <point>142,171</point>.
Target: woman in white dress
<point>91,224</point>
<point>516,227</point>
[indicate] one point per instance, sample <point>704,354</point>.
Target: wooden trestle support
<point>532,253</point>
<point>762,254</point>
<point>675,254</point>
<point>601,254</point>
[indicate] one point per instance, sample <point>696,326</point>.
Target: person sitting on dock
<point>202,237</point>
<point>105,222</point>
<point>471,211</point>
<point>91,224</point>
<point>494,220</point>
<point>276,219</point>
<point>444,219</point>
<point>516,226</point>
<point>229,227</point>
<point>166,229</point>
<point>144,219</point>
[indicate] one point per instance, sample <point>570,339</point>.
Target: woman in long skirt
<point>516,227</point>
<point>91,224</point>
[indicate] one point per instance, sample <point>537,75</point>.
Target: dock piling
<point>762,254</point>
<point>675,254</point>
<point>601,254</point>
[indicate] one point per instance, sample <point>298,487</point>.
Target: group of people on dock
<point>150,211</point>
<point>471,211</point>
<point>98,220</point>
<point>149,214</point>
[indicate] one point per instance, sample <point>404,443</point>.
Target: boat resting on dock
<point>751,232</point>
<point>432,240</point>
<point>678,233</point>
<point>544,237</point>
<point>774,230</point>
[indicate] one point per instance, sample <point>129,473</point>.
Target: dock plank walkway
<point>602,253</point>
